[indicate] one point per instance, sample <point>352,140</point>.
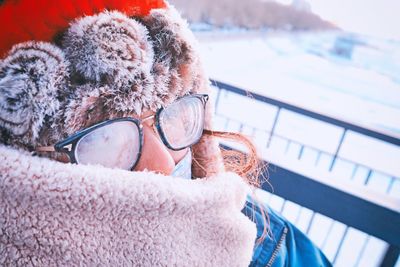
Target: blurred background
<point>316,85</point>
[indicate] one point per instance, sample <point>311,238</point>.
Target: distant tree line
<point>250,14</point>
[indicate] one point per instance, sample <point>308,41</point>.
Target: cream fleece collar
<point>55,214</point>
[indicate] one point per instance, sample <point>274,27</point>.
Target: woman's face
<point>155,155</point>
<point>154,142</point>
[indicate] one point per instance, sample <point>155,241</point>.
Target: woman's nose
<point>155,156</point>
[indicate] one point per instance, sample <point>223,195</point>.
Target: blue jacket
<point>284,245</point>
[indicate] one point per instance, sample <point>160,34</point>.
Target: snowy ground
<point>302,70</point>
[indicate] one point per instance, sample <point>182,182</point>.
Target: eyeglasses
<point>118,143</point>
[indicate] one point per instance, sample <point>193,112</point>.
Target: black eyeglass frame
<point>69,144</point>
<point>203,97</point>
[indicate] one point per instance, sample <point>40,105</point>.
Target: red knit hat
<point>41,20</point>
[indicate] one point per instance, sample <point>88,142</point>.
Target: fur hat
<point>66,65</point>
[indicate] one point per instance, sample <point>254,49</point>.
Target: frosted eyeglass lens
<point>115,145</point>
<point>182,122</point>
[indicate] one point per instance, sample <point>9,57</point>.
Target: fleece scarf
<point>57,214</point>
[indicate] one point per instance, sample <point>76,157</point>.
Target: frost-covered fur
<point>55,214</point>
<point>103,66</point>
<point>120,63</point>
<point>114,50</point>
<point>32,79</point>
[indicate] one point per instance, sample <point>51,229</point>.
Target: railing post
<point>338,149</point>
<point>217,99</point>
<point>340,246</point>
<point>271,133</point>
<point>391,256</point>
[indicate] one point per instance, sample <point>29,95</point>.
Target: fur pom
<point>175,63</point>
<point>113,50</point>
<point>138,65</point>
<point>31,78</point>
<point>108,48</point>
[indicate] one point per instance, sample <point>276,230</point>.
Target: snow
<point>289,69</point>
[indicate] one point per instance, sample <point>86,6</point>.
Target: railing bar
<point>287,146</point>
<point>368,177</point>
<point>282,207</point>
<point>271,133</point>
<point>347,160</point>
<point>217,99</point>
<point>331,154</point>
<point>350,126</point>
<point>215,83</point>
<point>298,215</point>
<point>340,244</point>
<point>391,256</point>
<point>244,124</point>
<point>293,141</point>
<point>297,142</point>
<point>311,147</point>
<point>364,246</point>
<point>318,158</point>
<point>392,179</point>
<point>341,158</point>
<point>338,149</point>
<point>328,234</point>
<point>310,224</point>
<point>348,208</point>
<point>300,152</point>
<point>355,168</point>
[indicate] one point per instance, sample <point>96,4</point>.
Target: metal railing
<point>376,215</point>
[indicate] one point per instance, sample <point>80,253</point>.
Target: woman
<point>102,110</point>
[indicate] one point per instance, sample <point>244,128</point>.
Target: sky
<point>379,18</point>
